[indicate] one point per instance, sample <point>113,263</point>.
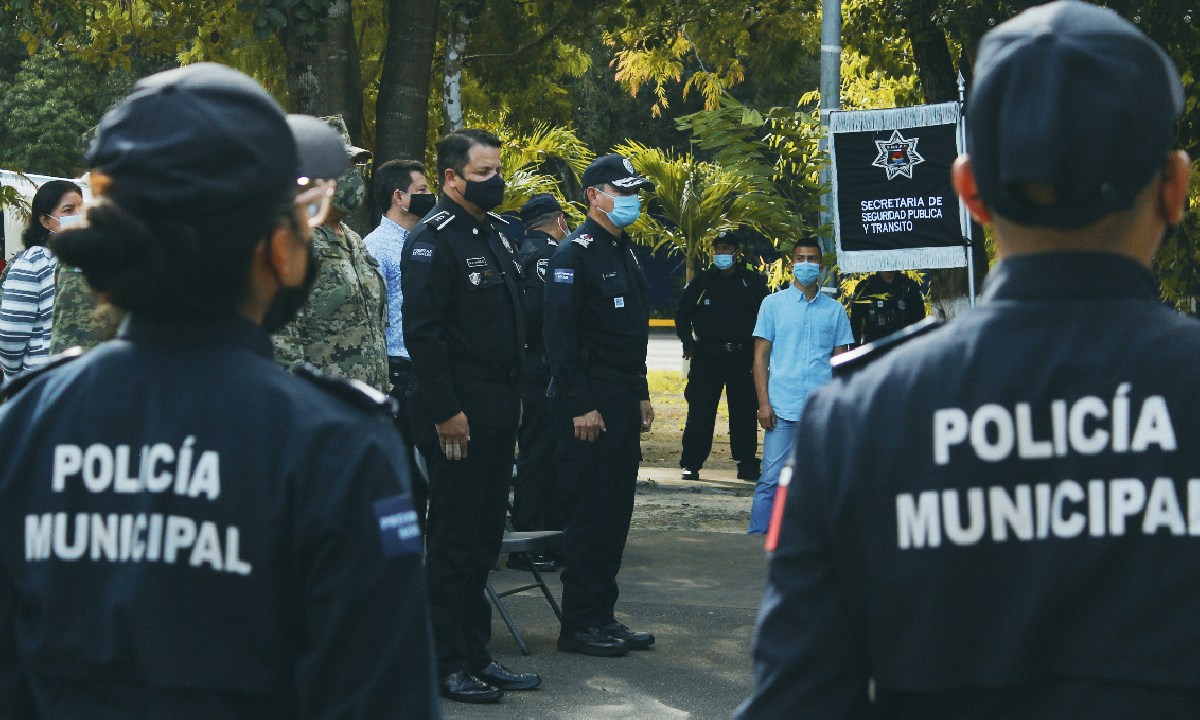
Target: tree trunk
<point>931,52</point>
<point>402,112</point>
<point>323,69</point>
<point>462,14</point>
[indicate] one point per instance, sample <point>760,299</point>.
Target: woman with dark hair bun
<point>187,530</point>
<point>27,305</point>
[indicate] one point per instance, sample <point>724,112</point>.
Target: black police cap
<point>207,141</point>
<point>539,205</point>
<point>1070,96</point>
<point>615,170</point>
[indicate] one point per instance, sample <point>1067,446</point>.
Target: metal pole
<point>963,213</point>
<point>831,89</point>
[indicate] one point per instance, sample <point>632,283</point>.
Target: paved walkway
<point>697,592</point>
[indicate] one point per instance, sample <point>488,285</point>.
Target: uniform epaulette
<point>356,391</point>
<point>439,220</point>
<point>847,364</point>
<point>14,385</point>
<point>584,240</point>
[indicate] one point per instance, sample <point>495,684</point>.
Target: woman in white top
<point>27,304</point>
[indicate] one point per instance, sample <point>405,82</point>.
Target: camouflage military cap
<point>357,154</point>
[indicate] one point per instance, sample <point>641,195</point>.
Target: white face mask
<point>66,222</point>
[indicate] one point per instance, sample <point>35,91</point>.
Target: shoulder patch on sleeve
<point>422,252</point>
<point>847,364</point>
<point>564,275</point>
<point>15,384</point>
<point>542,265</point>
<point>398,529</point>
<point>357,392</point>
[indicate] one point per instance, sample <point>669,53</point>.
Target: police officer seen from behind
<point>715,321</point>
<point>597,325</point>
<point>536,504</point>
<point>340,329</point>
<point>187,530</point>
<point>401,194</point>
<point>1028,548</point>
<point>465,333</point>
<point>884,303</point>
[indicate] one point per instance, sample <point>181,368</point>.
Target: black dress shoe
<point>687,474</point>
<point>591,641</point>
<point>464,687</point>
<point>520,561</point>
<point>635,640</point>
<point>505,679</point>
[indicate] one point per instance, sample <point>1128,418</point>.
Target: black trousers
<point>468,502</point>
<point>598,480</point>
<point>714,368</point>
<point>400,373</point>
<point>536,504</point>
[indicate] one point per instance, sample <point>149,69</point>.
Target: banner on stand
<point>894,206</point>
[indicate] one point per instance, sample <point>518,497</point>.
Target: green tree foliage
<point>48,105</point>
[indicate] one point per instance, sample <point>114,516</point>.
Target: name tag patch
<point>398,529</point>
<point>422,252</point>
<point>619,302</point>
<point>476,262</point>
<point>564,276</point>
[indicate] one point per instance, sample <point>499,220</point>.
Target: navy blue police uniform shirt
<point>534,259</point>
<point>188,531</point>
<point>720,307</point>
<point>597,314</point>
<point>1030,546</point>
<point>462,306</point>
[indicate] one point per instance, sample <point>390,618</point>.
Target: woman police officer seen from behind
<point>186,530</point>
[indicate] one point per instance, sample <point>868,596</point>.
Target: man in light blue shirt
<point>401,192</point>
<point>798,330</point>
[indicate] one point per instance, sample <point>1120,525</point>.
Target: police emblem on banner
<point>898,155</point>
<point>894,206</point>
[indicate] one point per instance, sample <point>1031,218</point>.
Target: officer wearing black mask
<point>186,529</point>
<point>466,336</point>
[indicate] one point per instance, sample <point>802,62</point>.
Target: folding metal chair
<point>524,544</point>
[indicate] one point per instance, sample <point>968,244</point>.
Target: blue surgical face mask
<point>723,262</point>
<point>626,209</point>
<point>806,272</point>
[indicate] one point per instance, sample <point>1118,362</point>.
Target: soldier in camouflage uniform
<point>79,319</point>
<point>340,329</point>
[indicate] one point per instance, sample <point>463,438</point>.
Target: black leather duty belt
<point>727,347</point>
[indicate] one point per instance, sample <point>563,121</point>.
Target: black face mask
<point>486,194</point>
<point>288,300</point>
<point>420,204</point>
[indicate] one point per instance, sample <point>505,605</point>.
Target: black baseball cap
<point>205,140</point>
<point>615,170</point>
<point>730,237</point>
<point>1071,96</point>
<point>539,205</point>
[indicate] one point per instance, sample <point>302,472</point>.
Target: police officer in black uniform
<point>597,325</point>
<point>715,321</point>
<point>536,503</point>
<point>885,303</point>
<point>1028,548</point>
<point>187,530</point>
<point>464,330</point>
